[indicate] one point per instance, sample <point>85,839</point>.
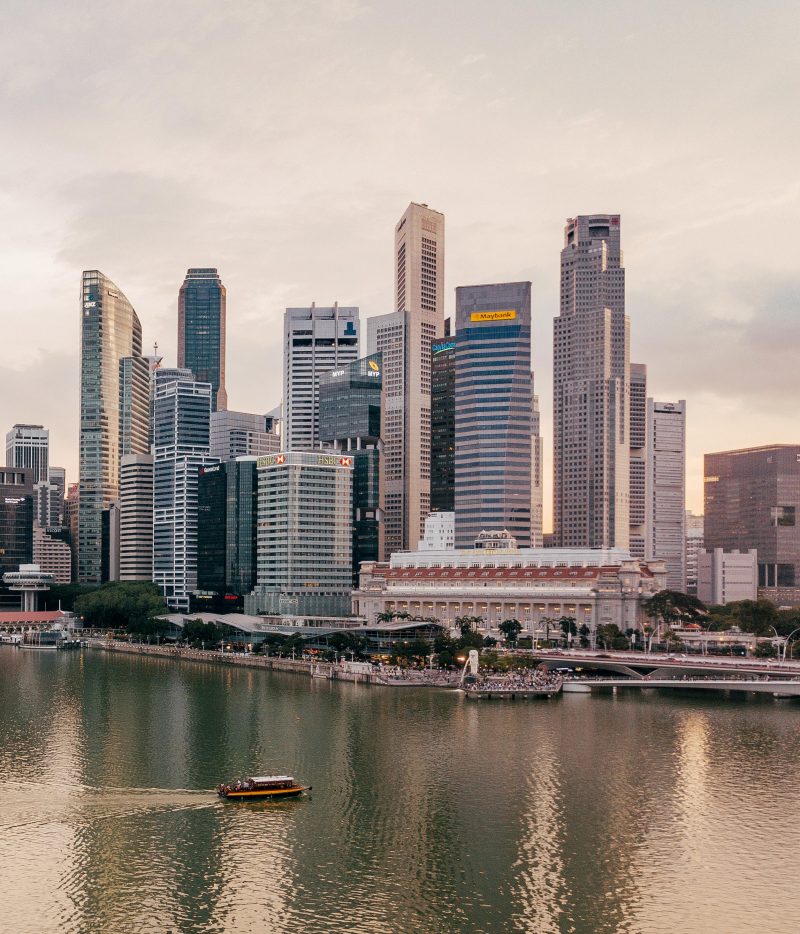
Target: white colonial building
<point>594,586</point>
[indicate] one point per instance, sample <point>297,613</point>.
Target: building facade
<point>350,409</point>
<point>28,447</point>
<point>694,547</point>
<point>440,532</point>
<point>304,538</point>
<point>227,523</point>
<point>242,434</point>
<point>638,465</point>
<point>594,587</point>
<point>666,489</point>
<point>136,518</point>
<point>110,332</point>
<point>52,553</point>
<point>181,447</point>
<point>591,373</point>
<point>727,576</point>
<point>493,420</point>
<point>315,340</point>
<point>752,501</point>
<point>537,475</point>
<point>443,423</point>
<point>201,331</point>
<point>16,518</point>
<point>404,339</point>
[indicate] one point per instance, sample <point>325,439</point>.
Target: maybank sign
<point>507,315</point>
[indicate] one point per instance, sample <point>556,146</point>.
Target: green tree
<point>756,616</point>
<point>607,634</point>
<point>569,627</point>
<point>132,606</point>
<point>670,607</point>
<point>201,635</point>
<point>511,628</point>
<point>348,642</point>
<point>583,634</point>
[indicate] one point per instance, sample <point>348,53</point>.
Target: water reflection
<point>429,813</point>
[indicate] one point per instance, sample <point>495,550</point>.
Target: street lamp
<point>787,640</point>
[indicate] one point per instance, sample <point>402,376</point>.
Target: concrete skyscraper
<point>315,341</point>
<point>537,475</point>
<point>494,424</point>
<point>112,418</point>
<point>244,434</point>
<point>136,518</point>
<point>181,448</point>
<point>28,447</point>
<point>591,389</point>
<point>404,339</point>
<point>665,513</point>
<point>638,461</point>
<point>201,331</point>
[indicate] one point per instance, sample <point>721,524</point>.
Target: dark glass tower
<point>350,420</point>
<point>16,518</point>
<point>201,331</point>
<point>493,412</point>
<point>443,422</point>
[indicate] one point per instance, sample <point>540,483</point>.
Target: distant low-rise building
<point>52,553</point>
<point>726,576</point>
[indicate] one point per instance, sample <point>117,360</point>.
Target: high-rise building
<point>315,340</point>
<point>109,542</point>
<point>727,576</point>
<point>110,332</point>
<point>350,403</point>
<point>443,422</point>
<point>181,447</point>
<point>57,478</point>
<point>16,518</point>
<point>752,501</point>
<point>305,504</point>
<point>666,489</point>
<point>694,547</point>
<point>52,553</point>
<point>71,523</point>
<point>134,405</point>
<point>591,389</point>
<point>226,534</point>
<point>537,474</point>
<point>136,518</point>
<point>240,434</point>
<point>28,447</point>
<point>48,504</point>
<point>201,331</point>
<point>404,339</point>
<point>494,424</point>
<point>638,465</point>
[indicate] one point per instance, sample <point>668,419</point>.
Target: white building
<point>404,339</point>
<point>440,532</point>
<point>666,489</point>
<point>182,413</point>
<point>315,340</point>
<point>28,446</point>
<point>726,576</point>
<point>53,555</point>
<point>694,546</point>
<point>136,518</point>
<point>595,587</point>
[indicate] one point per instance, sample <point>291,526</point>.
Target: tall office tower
<point>694,547</point>
<point>52,553</point>
<point>537,488</point>
<point>494,423</point>
<point>48,505</point>
<point>591,389</point>
<point>350,405</point>
<point>110,332</point>
<point>638,465</point>
<point>16,518</point>
<point>134,405</point>
<point>752,501</point>
<point>315,340</point>
<point>443,422</point>
<point>201,331</point>
<point>27,447</point>
<point>57,477</point>
<point>240,434</point>
<point>181,447</point>
<point>404,340</point>
<point>226,533</point>
<point>71,501</point>
<point>136,518</point>
<point>666,489</point>
<point>305,510</point>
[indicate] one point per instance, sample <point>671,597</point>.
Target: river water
<point>429,813</point>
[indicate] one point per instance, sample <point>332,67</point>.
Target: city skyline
<point>712,302</point>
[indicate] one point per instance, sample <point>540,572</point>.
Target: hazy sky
<point>280,142</point>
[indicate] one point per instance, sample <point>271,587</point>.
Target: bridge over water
<point>778,688</point>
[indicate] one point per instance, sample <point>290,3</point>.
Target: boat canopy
<point>258,779</point>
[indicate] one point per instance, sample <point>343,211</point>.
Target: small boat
<point>262,786</point>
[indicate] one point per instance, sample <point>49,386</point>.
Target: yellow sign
<point>373,366</point>
<point>493,315</point>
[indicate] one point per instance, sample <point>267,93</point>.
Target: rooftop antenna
<point>155,348</point>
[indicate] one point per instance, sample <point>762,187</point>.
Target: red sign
<point>346,461</point>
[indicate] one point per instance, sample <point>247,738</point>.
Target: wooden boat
<point>262,786</point>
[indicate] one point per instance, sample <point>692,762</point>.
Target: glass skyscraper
<point>112,419</point>
<point>493,412</point>
<point>350,420</point>
<point>443,424</point>
<point>201,331</point>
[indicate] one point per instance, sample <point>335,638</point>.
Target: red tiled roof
<point>46,616</point>
<point>487,574</point>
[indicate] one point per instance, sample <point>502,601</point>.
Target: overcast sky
<point>280,142</point>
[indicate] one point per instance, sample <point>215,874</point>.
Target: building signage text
<point>507,315</point>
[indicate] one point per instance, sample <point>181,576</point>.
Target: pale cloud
<point>281,141</point>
